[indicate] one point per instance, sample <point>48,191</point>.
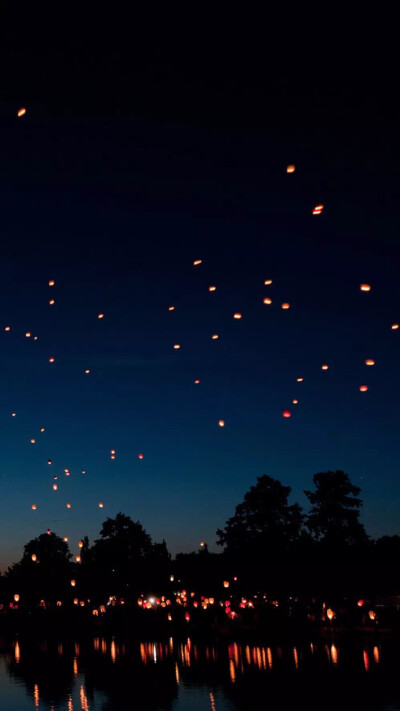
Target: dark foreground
<point>102,673</point>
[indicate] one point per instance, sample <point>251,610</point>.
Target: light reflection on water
<point>107,674</point>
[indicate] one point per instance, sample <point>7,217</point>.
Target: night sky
<point>113,193</point>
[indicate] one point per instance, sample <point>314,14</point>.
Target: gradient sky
<point>115,211</point>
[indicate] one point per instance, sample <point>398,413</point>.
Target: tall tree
<point>264,522</point>
<point>334,517</point>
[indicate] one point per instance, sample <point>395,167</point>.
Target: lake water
<point>100,674</point>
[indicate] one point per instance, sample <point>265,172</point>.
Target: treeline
<point>268,546</point>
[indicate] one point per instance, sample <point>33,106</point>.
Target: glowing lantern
<point>395,326</point>
<point>7,328</point>
<point>212,288</point>
<point>87,371</point>
<point>21,112</point>
<point>48,532</point>
<point>299,380</point>
<point>214,336</point>
<point>101,505</point>
<point>76,600</point>
<point>51,282</point>
<point>317,209</point>
<point>369,361</point>
<point>73,583</point>
<point>55,487</point>
<point>268,282</point>
<point>324,367</point>
<point>267,301</point>
<point>140,456</point>
<point>68,506</point>
<point>202,544</point>
<point>171,577</point>
<point>330,614</point>
<point>49,461</point>
<point>363,388</point>
<point>176,346</point>
<point>59,603</point>
<point>295,402</point>
<point>83,471</point>
<point>35,338</point>
<point>196,382</point>
<point>187,617</point>
<point>33,557</point>
<point>221,423</point>
<point>33,507</point>
<point>290,168</point>
<point>28,334</point>
<point>197,262</point>
<point>16,598</point>
<point>80,544</point>
<point>360,603</point>
<point>365,287</point>
<point>286,413</point>
<point>78,558</point>
<point>33,441</point>
<point>65,539</point>
<point>13,414</point>
<point>51,360</point>
<point>171,308</point>
<point>51,302</point>
<point>372,615</point>
<point>237,316</point>
<point>285,306</point>
<point>100,316</point>
<point>42,429</point>
<point>226,583</point>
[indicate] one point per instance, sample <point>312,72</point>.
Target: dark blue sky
<point>115,211</point>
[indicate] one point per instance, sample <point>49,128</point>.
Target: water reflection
<point>113,675</point>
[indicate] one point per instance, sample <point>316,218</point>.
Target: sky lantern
<point>52,302</point>
<point>394,326</point>
<point>267,301</point>
<point>55,487</point>
<point>87,371</point>
<point>28,334</point>
<point>363,388</point>
<point>295,402</point>
<point>51,360</point>
<point>140,456</point>
<point>83,471</point>
<point>286,413</point>
<point>372,615</point>
<point>33,507</point>
<point>49,461</point>
<point>226,583</point>
<point>299,380</point>
<point>369,361</point>
<point>330,614</point>
<point>365,287</point>
<point>73,583</point>
<point>7,328</point>
<point>48,532</point>
<point>33,441</point>
<point>80,544</point>
<point>51,282</point>
<point>177,346</point>
<point>68,506</point>
<point>65,539</point>
<point>16,597</point>
<point>197,262</point>
<point>221,423</point>
<point>317,209</point>
<point>101,505</point>
<point>237,315</point>
<point>360,603</point>
<point>214,337</point>
<point>13,414</point>
<point>100,316</point>
<point>324,367</point>
<point>285,306</point>
<point>21,112</point>
<point>34,557</point>
<point>212,288</point>
<point>290,168</point>
<point>78,558</point>
<point>196,382</point>
<point>42,429</point>
<point>171,308</point>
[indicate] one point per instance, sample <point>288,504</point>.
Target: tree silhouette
<point>334,517</point>
<point>263,523</point>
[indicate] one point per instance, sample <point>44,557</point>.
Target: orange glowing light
<point>365,287</point>
<point>80,544</point>
<point>285,306</point>
<point>101,505</point>
<point>214,336</point>
<point>33,441</point>
<point>330,614</point>
<point>267,301</point>
<point>286,413</point>
<point>51,282</point>
<point>68,506</point>
<point>52,302</point>
<point>226,583</point>
<point>363,388</point>
<point>324,367</point>
<point>196,382</point>
<point>295,402</point>
<point>171,308</point>
<point>33,507</point>
<point>51,360</point>
<point>28,334</point>
<point>237,315</point>
<point>13,414</point>
<point>16,597</point>
<point>177,346</point>
<point>21,112</point>
<point>65,539</point>
<point>212,288</point>
<point>394,326</point>
<point>221,423</point>
<point>87,371</point>
<point>7,328</point>
<point>369,361</point>
<point>290,168</point>
<point>140,456</point>
<point>78,558</point>
<point>55,487</point>
<point>372,615</point>
<point>73,582</point>
<point>42,429</point>
<point>34,557</point>
<point>197,262</point>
